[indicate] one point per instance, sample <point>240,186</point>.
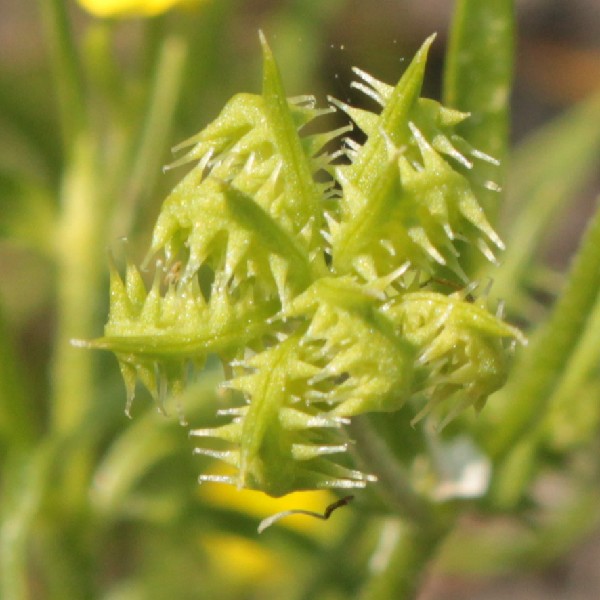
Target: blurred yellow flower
<point>130,8</point>
<point>259,505</point>
<point>250,560</point>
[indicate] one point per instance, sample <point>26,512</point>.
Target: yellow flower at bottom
<point>129,8</point>
<point>259,505</point>
<point>243,561</point>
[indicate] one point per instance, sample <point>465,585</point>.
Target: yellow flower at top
<point>132,8</point>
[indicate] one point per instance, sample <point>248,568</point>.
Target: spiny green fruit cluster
<point>327,282</point>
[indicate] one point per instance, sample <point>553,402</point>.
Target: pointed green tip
<point>271,77</point>
<point>95,344</point>
<point>78,343</point>
<point>421,55</point>
<point>266,49</point>
<point>263,39</point>
<point>428,41</point>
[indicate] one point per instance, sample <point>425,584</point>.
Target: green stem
<point>79,258</point>
<point>401,560</point>
<point>156,127</point>
<point>78,264</point>
<point>393,481</point>
<point>544,364</point>
<point>406,547</point>
<point>333,567</point>
<point>153,37</point>
<point>67,69</point>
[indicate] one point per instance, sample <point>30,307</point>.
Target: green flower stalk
<point>329,283</point>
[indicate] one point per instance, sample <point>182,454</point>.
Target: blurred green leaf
<point>149,147</point>
<point>27,212</point>
<point>573,411</point>
<point>546,171</point>
<point>543,364</point>
<point>16,422</point>
<point>297,29</point>
<point>29,133</point>
<point>24,484</point>
<point>143,444</point>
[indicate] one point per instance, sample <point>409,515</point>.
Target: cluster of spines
<point>462,348</point>
<point>420,205</point>
<point>233,210</point>
<point>251,206</point>
<point>281,441</point>
<point>162,333</point>
<point>315,287</point>
<point>352,356</point>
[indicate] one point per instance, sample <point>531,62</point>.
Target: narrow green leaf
<point>16,419</point>
<point>478,78</point>
<point>540,370</point>
<point>140,447</point>
<point>158,117</point>
<point>68,74</point>
<point>27,214</point>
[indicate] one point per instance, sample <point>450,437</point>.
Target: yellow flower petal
<point>259,505</point>
<point>129,8</point>
<point>242,560</point>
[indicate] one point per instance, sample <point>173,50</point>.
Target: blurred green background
<point>109,508</point>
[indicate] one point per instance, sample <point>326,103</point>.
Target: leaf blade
<point>477,78</point>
